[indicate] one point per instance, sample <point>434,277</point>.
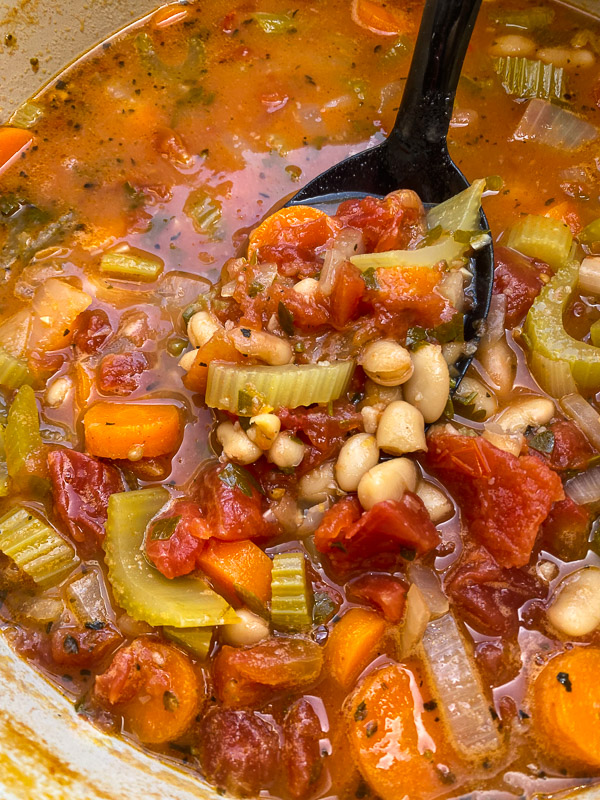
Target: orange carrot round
<point>380,18</point>
<point>131,430</point>
<point>13,141</point>
<point>298,225</point>
<point>566,706</point>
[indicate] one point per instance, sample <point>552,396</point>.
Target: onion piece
<point>429,584</point>
<point>552,125</point>
<point>417,615</point>
<point>554,376</point>
<point>85,598</point>
<point>589,276</point>
<point>461,699</point>
<point>494,325</point>
<point>584,488</point>
<point>586,417</point>
<point>349,242</point>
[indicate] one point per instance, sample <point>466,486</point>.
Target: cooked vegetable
<point>132,266</point>
<point>205,212</point>
<point>416,618</point>
<point>548,124</point>
<point>289,593</point>
<point>25,452</point>
<point>130,430</point>
<point>566,705</point>
<point>352,644</point>
<point>528,79</point>
<point>138,587</point>
<point>446,249</point>
<point>589,276</point>
<point>305,224</point>
<point>428,583</point>
<point>554,376</point>
<point>591,233</point>
<point>85,599</point>
<point>585,487</point>
<point>244,390</point>
<point>542,237</point>
<point>458,689</point>
<point>35,547</point>
<point>13,372</point>
<point>459,213</point>
<point>545,332</point>
<point>586,417</point>
<point>595,333</point>
<point>241,571</point>
<point>3,467</point>
<point>575,604</point>
<point>56,305</point>
<point>528,18</point>
<point>270,22</point>
<point>196,640</point>
<point>27,115</point>
<point>13,141</point>
<point>14,333</point>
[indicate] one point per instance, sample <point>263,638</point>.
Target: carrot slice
<point>300,226</point>
<point>13,142</point>
<point>239,570</point>
<point>566,706</point>
<point>391,737</point>
<point>169,15</point>
<point>380,18</point>
<point>123,430</point>
<point>352,644</point>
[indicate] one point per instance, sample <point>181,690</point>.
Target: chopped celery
<point>270,22</point>
<point>230,385</point>
<point>205,213</point>
<point>591,233</point>
<point>528,79</point>
<point>445,249</point>
<point>3,467</point>
<point>289,593</point>
<point>186,71</point>
<point>35,547</point>
<point>461,212</point>
<point>528,18</point>
<point>595,333</point>
<point>141,589</point>
<point>196,640</point>
<point>589,276</point>
<point>14,333</point>
<point>548,124</point>
<point>553,375</point>
<point>130,265</point>
<point>545,333</point>
<point>13,372</point>
<point>27,115</point>
<point>25,458</point>
<point>542,237</point>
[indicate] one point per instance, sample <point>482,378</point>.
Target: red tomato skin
<point>347,293</point>
<point>386,592</point>
<point>178,555</point>
<point>520,280</point>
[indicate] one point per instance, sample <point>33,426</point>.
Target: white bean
<point>57,391</point>
<point>438,505</point>
<point>318,484</point>
<point>512,45</point>
<point>509,442</point>
<point>271,349</point>
<point>452,288</point>
<point>359,453</point>
<point>370,416</point>
<point>380,396</point>
<point>251,629</point>
<point>186,361</point>
<point>386,362</point>
<point>531,411</point>
<point>387,481</point>
<point>287,451</point>
<point>263,430</point>
<point>201,327</point>
<point>567,58</point>
<point>429,387</point>
<point>306,287</point>
<point>401,429</point>
<point>575,604</point>
<point>500,363</point>
<point>236,445</point>
<point>478,396</point>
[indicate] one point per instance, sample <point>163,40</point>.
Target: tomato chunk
<point>391,223</point>
<point>385,592</point>
<point>176,539</point>
<point>348,291</point>
<point>301,750</point>
<point>93,329</point>
<point>503,498</point>
<point>519,279</point>
<point>571,450</point>
<point>83,647</point>
<point>121,373</point>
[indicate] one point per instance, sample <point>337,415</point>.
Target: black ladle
<point>415,154</point>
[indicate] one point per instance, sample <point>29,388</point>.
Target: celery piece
<point>286,386</point>
<point>270,22</point>
<point>26,115</point>
<point>527,79</point>
<point>545,333</point>
<point>528,18</point>
<point>13,372</point>
<point>595,333</point>
<point>588,281</point>
<point>23,442</point>
<point>3,467</point>
<point>591,233</point>
<point>14,333</point>
<point>553,375</point>
<point>35,547</point>
<point>188,70</point>
<point>461,212</point>
<point>445,249</point>
<point>141,589</point>
<point>544,238</point>
<point>129,265</point>
<point>548,124</point>
<point>205,213</point>
<point>289,592</point>
<point>196,640</point>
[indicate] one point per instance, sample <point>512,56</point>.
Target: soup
<point>249,518</point>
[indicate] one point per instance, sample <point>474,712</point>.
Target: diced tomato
<point>324,429</point>
<point>231,512</point>
<point>301,755</point>
<point>93,329</point>
<point>81,486</point>
<point>520,280</point>
<point>391,223</point>
<point>83,647</point>
<point>385,592</point>
<point>571,450</point>
<point>309,312</point>
<point>121,373</point>
<point>348,291</point>
<point>292,234</point>
<point>379,536</point>
<point>218,348</point>
<point>176,539</point>
<point>239,751</point>
<point>503,499</point>
<point>566,530</point>
<point>488,595</point>
<point>249,676</point>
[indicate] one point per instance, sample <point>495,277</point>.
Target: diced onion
<point>85,598</point>
<point>584,488</point>
<point>589,276</point>
<point>461,699</point>
<point>429,583</point>
<point>554,377</point>
<point>586,417</point>
<point>554,126</point>
<point>494,324</point>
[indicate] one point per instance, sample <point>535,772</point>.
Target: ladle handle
<point>426,106</point>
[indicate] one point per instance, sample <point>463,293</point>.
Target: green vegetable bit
<point>196,640</point>
<point>528,79</point>
<point>289,592</point>
<point>132,266</point>
<point>13,371</point>
<point>23,443</point>
<point>544,238</point>
<point>27,115</point>
<point>274,23</point>
<point>591,233</point>
<point>205,212</point>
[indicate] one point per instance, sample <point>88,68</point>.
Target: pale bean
<point>512,45</point>
<point>263,430</point>
<point>509,442</point>
<point>438,505</point>
<point>251,629</point>
<point>236,445</point>
<point>387,481</point>
<point>429,387</point>
<point>531,411</point>
<point>370,416</point>
<point>477,395</point>
<point>575,604</point>
<point>401,429</point>
<point>359,453</point>
<point>187,360</point>
<point>566,58</point>
<point>287,451</point>
<point>380,396</point>
<point>500,363</point>
<point>386,362</point>
<point>57,391</point>
<point>318,484</point>
<point>452,288</point>
<point>271,349</point>
<point>201,328</point>
<point>306,287</point>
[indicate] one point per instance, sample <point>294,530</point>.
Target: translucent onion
<point>586,417</point>
<point>461,699</point>
<point>429,584</point>
<point>589,276</point>
<point>85,598</point>
<point>584,488</point>
<point>494,324</point>
<point>554,377</point>
<point>554,126</point>
<point>349,242</point>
